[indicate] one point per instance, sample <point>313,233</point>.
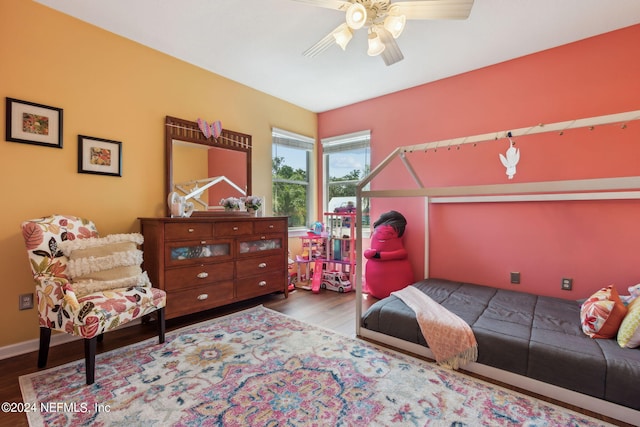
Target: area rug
<point>261,368</point>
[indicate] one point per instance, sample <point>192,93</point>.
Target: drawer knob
<point>262,265</point>
<point>262,283</point>
<point>263,237</point>
<point>203,275</point>
<point>191,230</point>
<point>235,228</point>
<point>203,297</point>
<point>270,225</point>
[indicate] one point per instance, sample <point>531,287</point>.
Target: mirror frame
<point>188,131</point>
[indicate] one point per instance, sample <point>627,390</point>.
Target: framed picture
<point>99,156</point>
<point>32,123</point>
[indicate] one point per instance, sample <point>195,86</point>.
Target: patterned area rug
<point>261,368</point>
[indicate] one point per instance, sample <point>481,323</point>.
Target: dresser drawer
<point>259,265</point>
<point>187,277</point>
<point>197,299</point>
<point>269,226</point>
<point>261,245</point>
<point>232,228</point>
<point>188,230</point>
<point>197,252</point>
<point>260,285</point>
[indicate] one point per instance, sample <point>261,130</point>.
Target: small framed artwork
<point>32,123</point>
<point>99,156</point>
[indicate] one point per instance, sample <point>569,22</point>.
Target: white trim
<point>285,134</point>
<point>590,403</point>
<point>32,345</point>
<point>426,240</point>
<point>615,195</point>
<point>345,139</point>
<point>625,117</point>
<point>567,186</point>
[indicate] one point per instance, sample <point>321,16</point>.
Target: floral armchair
<point>87,316</point>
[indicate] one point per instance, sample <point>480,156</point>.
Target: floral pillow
<point>100,264</point>
<point>602,313</point>
<point>629,332</point>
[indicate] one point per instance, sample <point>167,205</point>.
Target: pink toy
<point>388,268</point>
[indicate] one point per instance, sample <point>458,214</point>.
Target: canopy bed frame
<point>582,189</point>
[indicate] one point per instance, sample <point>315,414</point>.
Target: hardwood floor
<point>330,310</point>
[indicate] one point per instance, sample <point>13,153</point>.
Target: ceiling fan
<point>384,22</point>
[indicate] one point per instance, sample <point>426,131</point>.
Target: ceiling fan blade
<point>433,9</point>
<point>329,4</point>
<point>391,53</point>
<point>322,45</point>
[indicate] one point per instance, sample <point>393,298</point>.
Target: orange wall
<point>595,243</point>
<point>112,88</point>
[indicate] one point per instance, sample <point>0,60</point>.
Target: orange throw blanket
<point>449,337</point>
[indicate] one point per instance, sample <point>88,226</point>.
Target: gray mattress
<point>535,336</point>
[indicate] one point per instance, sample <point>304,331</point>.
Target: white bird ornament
<point>510,162</point>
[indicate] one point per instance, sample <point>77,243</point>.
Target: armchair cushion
<point>104,263</point>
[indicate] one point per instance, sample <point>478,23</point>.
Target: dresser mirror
<point>193,162</point>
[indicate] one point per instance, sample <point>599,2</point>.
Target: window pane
<point>345,169</point>
<point>295,158</point>
<point>347,161</point>
<point>291,200</point>
<point>291,183</point>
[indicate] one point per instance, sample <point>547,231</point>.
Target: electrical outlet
<point>25,302</point>
<point>515,277</point>
<point>567,284</point>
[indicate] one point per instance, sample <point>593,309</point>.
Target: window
<point>347,159</point>
<point>291,169</point>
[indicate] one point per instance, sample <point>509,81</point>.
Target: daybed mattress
<point>535,336</point>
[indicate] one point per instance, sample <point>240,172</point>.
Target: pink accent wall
<point>594,242</point>
<point>231,164</point>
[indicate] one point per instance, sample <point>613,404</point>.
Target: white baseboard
<point>29,346</point>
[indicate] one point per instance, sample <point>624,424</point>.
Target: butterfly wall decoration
<point>208,130</point>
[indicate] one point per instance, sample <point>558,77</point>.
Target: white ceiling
<point>259,43</point>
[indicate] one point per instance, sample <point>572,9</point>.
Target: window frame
<point>337,144</point>
<point>297,141</point>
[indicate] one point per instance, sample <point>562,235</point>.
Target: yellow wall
<point>190,162</point>
<point>112,88</point>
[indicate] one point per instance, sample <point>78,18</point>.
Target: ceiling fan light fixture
<point>376,47</point>
<point>343,35</point>
<point>395,24</point>
<point>356,16</point>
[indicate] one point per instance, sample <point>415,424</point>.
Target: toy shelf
<point>335,248</point>
<point>314,247</point>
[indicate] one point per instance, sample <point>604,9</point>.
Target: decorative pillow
<point>634,292</point>
<point>629,332</point>
<point>602,314</point>
<point>100,264</point>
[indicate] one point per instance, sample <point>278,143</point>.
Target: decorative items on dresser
<point>210,261</point>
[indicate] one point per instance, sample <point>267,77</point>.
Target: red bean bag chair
<point>388,268</point>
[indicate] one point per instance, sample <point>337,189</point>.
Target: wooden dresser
<point>206,262</point>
